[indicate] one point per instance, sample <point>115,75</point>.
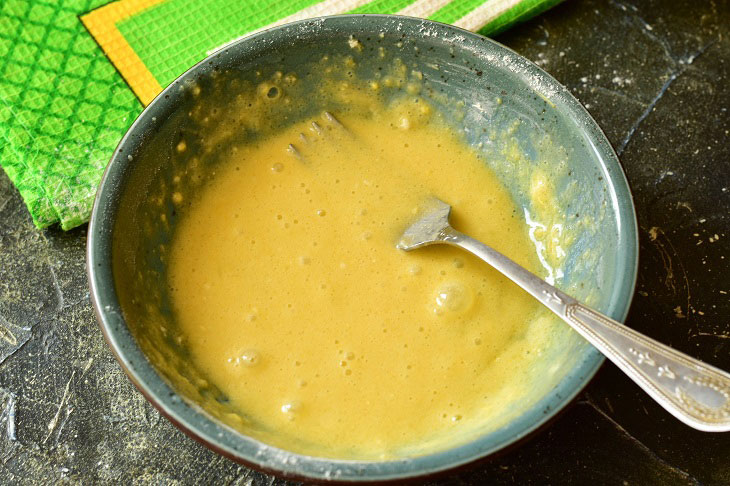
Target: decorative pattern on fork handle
<point>694,392</point>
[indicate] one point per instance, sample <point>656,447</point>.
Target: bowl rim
<point>196,423</point>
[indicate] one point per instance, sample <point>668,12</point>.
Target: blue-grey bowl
<point>496,85</point>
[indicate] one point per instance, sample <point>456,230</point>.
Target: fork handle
<point>696,393</point>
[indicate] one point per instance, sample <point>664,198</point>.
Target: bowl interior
<point>518,118</point>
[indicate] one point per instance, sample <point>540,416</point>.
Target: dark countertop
<point>655,75</point>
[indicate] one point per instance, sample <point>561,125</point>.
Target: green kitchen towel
<point>75,73</point>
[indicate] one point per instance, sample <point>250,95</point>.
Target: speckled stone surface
<point>654,73</point>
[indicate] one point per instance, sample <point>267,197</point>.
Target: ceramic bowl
<point>132,218</point>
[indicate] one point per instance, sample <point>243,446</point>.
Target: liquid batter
<point>293,299</point>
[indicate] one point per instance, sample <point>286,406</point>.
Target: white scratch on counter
<point>8,415</point>
<point>54,421</point>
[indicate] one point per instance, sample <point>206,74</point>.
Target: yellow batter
<point>293,299</point>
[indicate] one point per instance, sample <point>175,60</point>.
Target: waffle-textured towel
<point>75,73</point>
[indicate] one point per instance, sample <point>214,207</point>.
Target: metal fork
<point>696,393</point>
